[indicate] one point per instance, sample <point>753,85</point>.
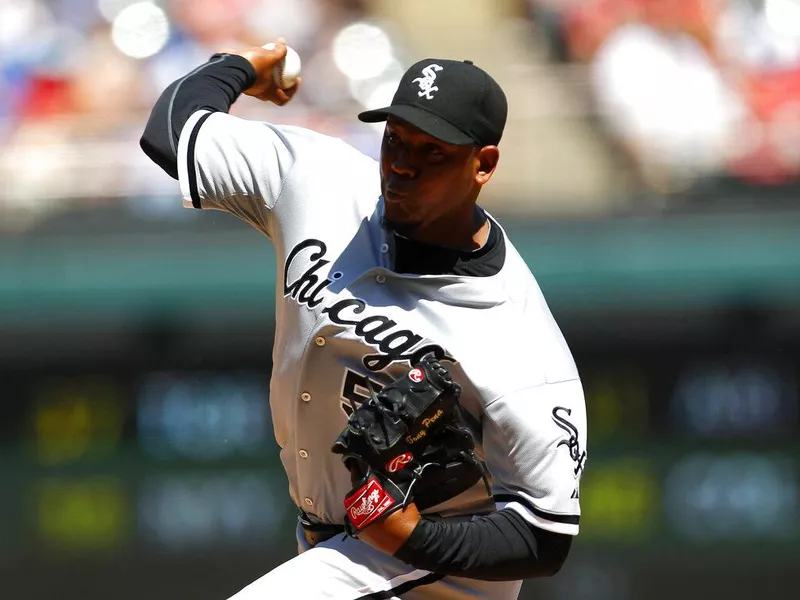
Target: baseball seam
<point>278,74</point>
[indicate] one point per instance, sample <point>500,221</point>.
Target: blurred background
<point>650,175</point>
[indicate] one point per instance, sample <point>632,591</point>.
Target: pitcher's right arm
<point>222,161</point>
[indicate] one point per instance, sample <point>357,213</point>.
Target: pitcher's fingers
<point>282,97</point>
<point>290,92</point>
<point>279,49</point>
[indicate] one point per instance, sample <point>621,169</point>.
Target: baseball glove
<point>406,444</point>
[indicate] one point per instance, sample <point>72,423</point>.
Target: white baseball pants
<point>344,568</point>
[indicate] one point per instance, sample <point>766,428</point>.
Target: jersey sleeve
<point>236,165</point>
<point>534,443</point>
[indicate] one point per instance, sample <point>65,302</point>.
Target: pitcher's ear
<point>487,160</point>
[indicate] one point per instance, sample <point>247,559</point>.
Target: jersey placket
<point>319,406</point>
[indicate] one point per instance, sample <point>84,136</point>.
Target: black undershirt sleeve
<point>501,546</point>
<point>213,86</point>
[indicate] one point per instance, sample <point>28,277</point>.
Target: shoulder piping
<point>191,168</point>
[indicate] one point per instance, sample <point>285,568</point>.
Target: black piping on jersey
<point>403,587</point>
<point>555,518</point>
<point>191,169</point>
<point>172,141</point>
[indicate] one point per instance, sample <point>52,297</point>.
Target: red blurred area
<point>773,97</point>
<point>47,96</point>
<point>767,155</point>
<point>587,24</point>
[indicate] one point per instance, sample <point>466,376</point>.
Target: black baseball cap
<point>451,100</point>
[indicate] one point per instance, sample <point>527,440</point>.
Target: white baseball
<point>287,71</point>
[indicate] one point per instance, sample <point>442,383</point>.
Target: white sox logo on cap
<point>416,375</point>
<point>427,80</point>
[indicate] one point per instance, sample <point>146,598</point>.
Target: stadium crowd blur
<point>689,89</point>
<point>80,76</point>
<point>684,95</point>
<point>650,177</point>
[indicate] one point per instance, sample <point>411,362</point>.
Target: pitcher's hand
<point>263,62</point>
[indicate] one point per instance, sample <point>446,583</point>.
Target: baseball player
<point>430,416</point>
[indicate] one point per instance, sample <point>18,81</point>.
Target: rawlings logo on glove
<point>416,375</point>
<point>368,504</point>
<point>399,461</point>
<point>407,444</point>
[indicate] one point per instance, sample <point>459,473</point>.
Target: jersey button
<point>308,501</point>
<point>303,454</point>
<point>320,341</point>
<point>384,248</point>
<point>305,397</point>
<point>381,279</point>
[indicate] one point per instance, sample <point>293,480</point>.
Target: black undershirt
<point>500,546</point>
<point>420,258</point>
<point>214,86</point>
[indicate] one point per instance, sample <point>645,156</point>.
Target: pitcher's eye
<point>433,150</point>
<point>434,153</point>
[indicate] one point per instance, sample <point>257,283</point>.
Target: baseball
<point>287,71</point>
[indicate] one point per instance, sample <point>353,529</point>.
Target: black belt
<point>316,533</point>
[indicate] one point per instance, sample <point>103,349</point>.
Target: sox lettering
<point>394,343</point>
<point>572,443</point>
<point>349,321</point>
<point>427,80</point>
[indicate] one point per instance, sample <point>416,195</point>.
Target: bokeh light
<point>362,51</point>
<point>378,91</point>
<point>18,18</point>
<point>140,30</point>
<point>649,176</point>
<point>783,16</point>
<point>110,9</point>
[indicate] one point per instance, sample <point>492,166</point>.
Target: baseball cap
<point>451,100</point>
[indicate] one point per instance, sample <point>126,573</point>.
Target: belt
<point>316,533</point>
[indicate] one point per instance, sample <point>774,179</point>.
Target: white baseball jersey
<point>344,317</point>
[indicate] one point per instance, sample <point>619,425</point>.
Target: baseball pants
<point>344,568</point>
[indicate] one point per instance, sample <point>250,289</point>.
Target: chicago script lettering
<point>392,342</point>
<point>307,289</point>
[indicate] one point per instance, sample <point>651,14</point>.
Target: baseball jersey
<point>345,318</point>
